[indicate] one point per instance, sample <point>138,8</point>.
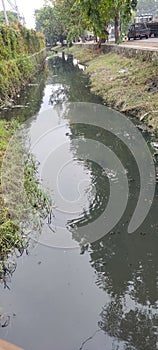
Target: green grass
<point>9,232</point>
<point>40,203</point>
<point>125,84</point>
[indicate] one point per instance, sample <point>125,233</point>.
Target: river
<point>65,293</point>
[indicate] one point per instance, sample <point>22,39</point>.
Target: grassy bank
<point>11,237</point>
<point>9,231</point>
<point>16,73</point>
<point>21,53</point>
<point>125,84</point>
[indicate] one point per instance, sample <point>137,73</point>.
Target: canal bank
<point>22,54</point>
<point>125,77</point>
<point>11,117</point>
<point>16,74</point>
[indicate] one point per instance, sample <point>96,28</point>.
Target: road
<point>146,43</point>
<point>150,40</point>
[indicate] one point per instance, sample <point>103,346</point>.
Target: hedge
<point>21,54</point>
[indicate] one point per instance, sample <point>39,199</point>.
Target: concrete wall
<point>145,54</point>
<point>140,53</point>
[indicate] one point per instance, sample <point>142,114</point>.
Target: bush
<point>17,65</point>
<point>16,39</point>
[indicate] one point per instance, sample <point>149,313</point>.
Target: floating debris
<point>19,106</point>
<point>31,84</point>
<point>156,174</point>
<point>4,321</point>
<point>154,145</point>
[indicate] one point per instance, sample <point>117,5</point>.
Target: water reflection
<point>126,268</point>
<point>138,329</point>
<point>68,86</point>
<point>126,265</point>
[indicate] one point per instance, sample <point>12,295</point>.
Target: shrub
<point>15,39</point>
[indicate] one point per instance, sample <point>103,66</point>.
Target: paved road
<point>151,43</point>
<point>145,43</point>
<point>150,40</point>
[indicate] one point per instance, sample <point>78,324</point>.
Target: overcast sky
<point>26,7</point>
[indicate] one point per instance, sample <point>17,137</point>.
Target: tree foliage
<point>48,22</point>
<point>101,12</point>
<point>60,21</point>
<point>16,39</point>
<point>96,15</point>
<point>72,18</point>
<point>12,17</point>
<point>69,18</point>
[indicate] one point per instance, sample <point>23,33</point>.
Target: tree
<point>101,12</point>
<point>96,15</point>
<point>12,17</point>
<point>125,12</point>
<point>121,11</point>
<point>47,21</point>
<point>60,20</point>
<point>71,17</point>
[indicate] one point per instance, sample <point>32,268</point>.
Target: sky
<point>26,8</point>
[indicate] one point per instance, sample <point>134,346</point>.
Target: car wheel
<point>147,36</point>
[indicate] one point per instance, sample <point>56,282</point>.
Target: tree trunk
<point>99,44</point>
<point>116,28</point>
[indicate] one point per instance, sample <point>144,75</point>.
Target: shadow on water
<point>126,265</point>
<point>112,289</point>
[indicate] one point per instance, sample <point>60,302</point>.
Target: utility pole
<point>5,13</point>
<point>17,11</point>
